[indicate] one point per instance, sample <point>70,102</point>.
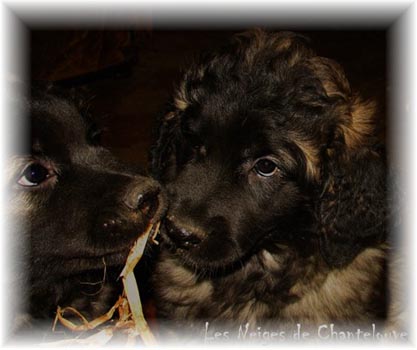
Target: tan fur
<point>331,76</point>
<point>260,39</point>
<point>333,294</point>
<point>312,157</point>
<point>323,295</point>
<point>21,205</point>
<point>269,261</point>
<point>360,123</point>
<point>181,103</point>
<point>182,284</point>
<point>357,116</point>
<point>253,310</point>
<point>397,318</point>
<point>169,116</point>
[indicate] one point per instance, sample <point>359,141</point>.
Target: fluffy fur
<point>277,190</point>
<point>76,212</point>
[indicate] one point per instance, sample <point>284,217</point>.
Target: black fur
<point>250,239</point>
<point>76,226</point>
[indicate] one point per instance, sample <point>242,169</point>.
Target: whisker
<point>102,281</point>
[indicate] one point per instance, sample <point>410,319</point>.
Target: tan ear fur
<point>356,115</point>
<point>361,123</point>
<point>311,154</point>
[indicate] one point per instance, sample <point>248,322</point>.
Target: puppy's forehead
<point>238,129</point>
<point>56,126</point>
<point>247,104</point>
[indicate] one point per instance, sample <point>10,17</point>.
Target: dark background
<point>130,74</point>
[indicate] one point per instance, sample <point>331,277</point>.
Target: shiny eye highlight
<point>265,167</point>
<point>33,175</point>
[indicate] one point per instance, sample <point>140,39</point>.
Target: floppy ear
<point>352,210</point>
<point>352,207</point>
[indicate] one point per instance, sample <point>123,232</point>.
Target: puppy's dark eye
<point>265,167</point>
<point>33,175</point>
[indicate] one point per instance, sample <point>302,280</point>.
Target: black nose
<point>143,196</point>
<point>181,236</point>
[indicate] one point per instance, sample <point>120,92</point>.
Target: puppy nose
<point>180,236</point>
<point>143,197</point>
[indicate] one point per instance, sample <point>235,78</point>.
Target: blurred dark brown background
<point>130,74</point>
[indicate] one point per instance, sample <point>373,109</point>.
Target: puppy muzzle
<point>181,236</point>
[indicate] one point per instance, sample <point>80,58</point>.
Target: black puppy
<point>277,189</point>
<point>76,212</point>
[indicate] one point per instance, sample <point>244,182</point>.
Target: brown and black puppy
<point>76,211</point>
<point>277,190</point>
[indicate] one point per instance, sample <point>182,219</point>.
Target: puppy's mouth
<point>214,252</point>
<point>180,236</point>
